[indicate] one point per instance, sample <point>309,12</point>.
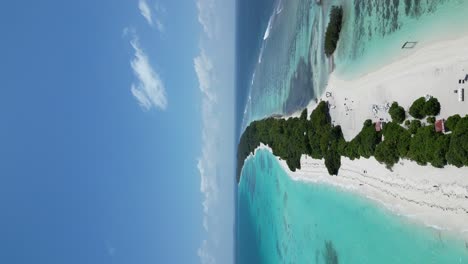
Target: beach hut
<point>378,126</point>
<point>440,126</point>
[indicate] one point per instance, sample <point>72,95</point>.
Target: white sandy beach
<point>433,70</point>
<point>435,197</point>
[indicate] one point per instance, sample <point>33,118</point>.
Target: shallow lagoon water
<point>285,221</point>
<point>375,31</point>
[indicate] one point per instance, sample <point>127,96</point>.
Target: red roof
<point>378,126</point>
<point>439,126</point>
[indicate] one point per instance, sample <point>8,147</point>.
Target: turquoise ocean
<point>280,69</point>
<point>285,221</point>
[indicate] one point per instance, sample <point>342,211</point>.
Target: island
<point>437,143</point>
<point>332,35</point>
<point>435,194</point>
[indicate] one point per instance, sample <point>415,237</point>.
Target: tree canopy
<point>452,122</point>
<point>431,107</point>
<point>315,136</point>
<point>458,151</point>
<point>332,34</point>
<point>422,108</point>
<point>397,113</point>
<point>416,110</point>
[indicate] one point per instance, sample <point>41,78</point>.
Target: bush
<point>332,156</point>
<point>397,113</point>
<point>403,143</point>
<point>458,151</point>
<point>439,151</point>
<point>414,126</point>
<point>421,145</point>
<point>417,108</point>
<point>367,140</point>
<point>430,119</point>
<point>304,115</point>
<point>320,117</point>
<point>451,122</point>
<point>396,144</point>
<point>431,107</point>
<point>333,162</point>
<point>332,34</point>
<point>385,153</point>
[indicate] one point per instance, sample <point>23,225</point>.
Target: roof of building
<point>378,126</point>
<point>439,126</point>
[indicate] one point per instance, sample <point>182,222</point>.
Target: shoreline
<point>432,70</point>
<point>437,198</point>
<point>443,208</point>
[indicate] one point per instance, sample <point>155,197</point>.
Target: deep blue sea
<point>280,69</point>
<point>252,20</point>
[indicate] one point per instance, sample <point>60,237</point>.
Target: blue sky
<point>117,131</point>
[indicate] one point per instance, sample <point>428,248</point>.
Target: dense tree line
<point>332,34</point>
<point>317,137</point>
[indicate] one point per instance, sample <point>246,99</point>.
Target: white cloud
<point>207,163</point>
<point>204,69</point>
<point>206,16</point>
<point>208,160</point>
<point>127,30</point>
<point>161,12</point>
<point>160,25</point>
<point>204,254</point>
<point>145,11</point>
<point>149,90</point>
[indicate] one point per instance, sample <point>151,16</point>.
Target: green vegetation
<point>417,108</point>
<point>458,151</point>
<point>332,35</point>
<point>432,107</point>
<point>430,119</point>
<point>452,122</point>
<point>291,138</point>
<point>414,126</point>
<point>397,113</point>
<point>396,144</point>
<point>422,108</point>
<point>364,144</point>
